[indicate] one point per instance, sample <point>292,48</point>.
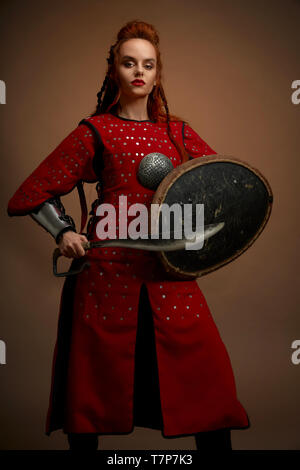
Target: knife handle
<point>71,272</point>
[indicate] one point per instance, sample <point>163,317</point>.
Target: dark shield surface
<point>232,192</point>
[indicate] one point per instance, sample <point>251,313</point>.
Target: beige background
<point>228,69</point>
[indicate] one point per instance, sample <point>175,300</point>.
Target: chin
<point>138,94</point>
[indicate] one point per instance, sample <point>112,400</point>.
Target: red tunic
<point>100,305</point>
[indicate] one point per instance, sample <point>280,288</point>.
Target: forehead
<point>138,48</point>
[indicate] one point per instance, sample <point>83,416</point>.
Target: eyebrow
<point>127,57</point>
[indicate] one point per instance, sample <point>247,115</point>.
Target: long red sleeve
<point>194,145</point>
<point>70,162</point>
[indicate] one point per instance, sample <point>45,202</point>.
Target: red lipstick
<point>138,82</point>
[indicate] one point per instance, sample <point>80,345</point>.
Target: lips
<point>138,82</point>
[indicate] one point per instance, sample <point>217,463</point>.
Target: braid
<point>100,93</point>
<point>110,61</point>
<point>180,149</point>
<point>164,99</point>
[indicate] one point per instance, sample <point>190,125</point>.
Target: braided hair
<point>157,105</point>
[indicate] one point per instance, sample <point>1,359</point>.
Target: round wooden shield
<point>232,192</point>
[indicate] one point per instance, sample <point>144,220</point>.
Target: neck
<point>133,108</point>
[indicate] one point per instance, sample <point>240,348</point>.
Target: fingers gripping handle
<point>57,253</point>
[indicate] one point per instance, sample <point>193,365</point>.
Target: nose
<point>139,70</point>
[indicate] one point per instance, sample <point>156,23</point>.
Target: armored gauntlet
<point>52,217</point>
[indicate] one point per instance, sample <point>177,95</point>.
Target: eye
<point>128,64</point>
<point>149,66</point>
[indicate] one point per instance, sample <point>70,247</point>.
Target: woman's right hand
<point>70,244</point>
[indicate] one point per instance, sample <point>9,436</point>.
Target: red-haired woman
<point>133,347</point>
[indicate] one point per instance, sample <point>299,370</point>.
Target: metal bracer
<point>52,217</point>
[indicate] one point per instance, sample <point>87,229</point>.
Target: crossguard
<point>71,272</point>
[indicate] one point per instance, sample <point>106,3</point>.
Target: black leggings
<point>211,440</point>
<point>214,440</point>
<point>83,441</point>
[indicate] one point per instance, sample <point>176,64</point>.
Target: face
<point>136,61</point>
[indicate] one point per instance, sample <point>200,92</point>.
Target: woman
<point>134,347</point>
